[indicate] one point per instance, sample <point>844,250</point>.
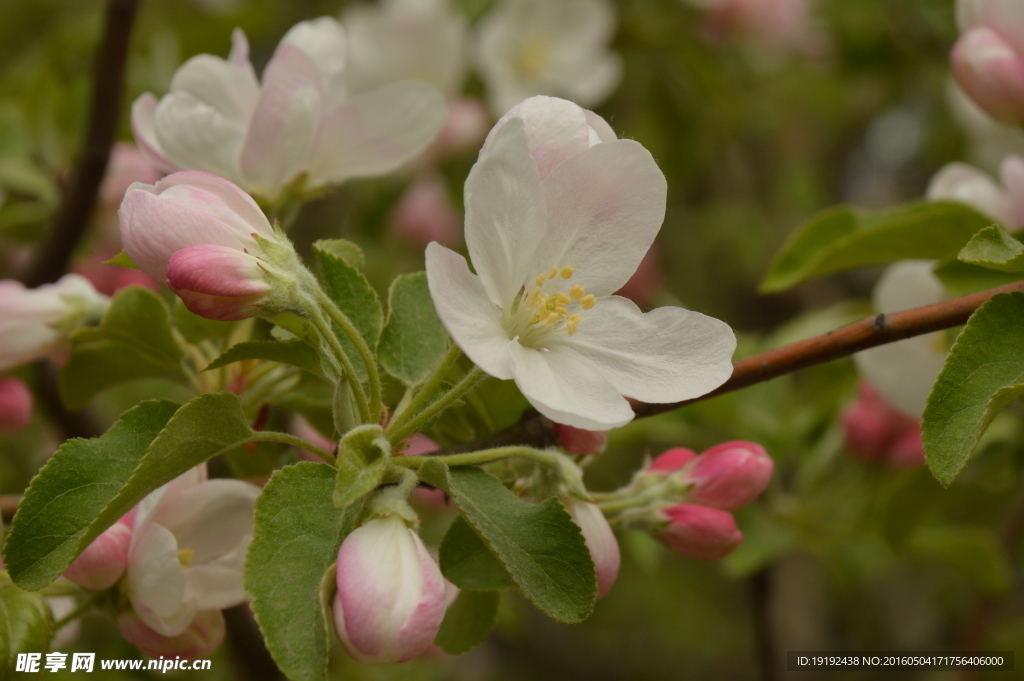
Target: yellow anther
<point>575,319</point>
<point>539,280</point>
<point>588,301</point>
<point>551,319</point>
<point>571,323</point>
<point>561,311</point>
<point>534,296</point>
<point>553,272</point>
<point>567,271</point>
<point>563,299</point>
<point>185,556</point>
<point>577,292</point>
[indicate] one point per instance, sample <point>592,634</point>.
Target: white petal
<point>218,584</point>
<point>600,126</point>
<point>231,90</point>
<point>568,390</point>
<point>666,355</point>
<point>210,519</point>
<point>556,129</point>
<point>471,318</point>
<point>605,206</point>
<point>156,582</point>
<point>966,184</point>
<point>194,135</point>
<point>907,284</point>
<point>1011,172</point>
<point>377,132</point>
<point>324,41</point>
<point>506,215</point>
<point>143,113</point>
<point>285,121</point>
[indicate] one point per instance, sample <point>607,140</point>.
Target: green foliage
<point>467,562</point>
<point>344,249</point>
<point>196,329</point>
<point>57,518</point>
<point>984,371</point>
<point>134,340</point>
<point>122,259</point>
<point>468,621</point>
<point>975,551</point>
<point>994,249</point>
<point>961,278</point>
<point>295,352</point>
<point>297,535</point>
<point>25,625</point>
<point>413,339</point>
<point>844,237</point>
<point>539,544</point>
<point>363,456</point>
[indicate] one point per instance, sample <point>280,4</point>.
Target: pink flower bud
<point>391,595</point>
<point>103,561</point>
<point>465,127</point>
<point>600,539</point>
<point>425,214</point>
<point>203,636</point>
<point>876,431</point>
<point>991,71</point>
<point>580,441</point>
<point>700,532</point>
<point>730,475</point>
<point>218,282</point>
<point>672,460</point>
<point>16,402</point>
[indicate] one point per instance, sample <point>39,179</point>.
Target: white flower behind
<point>559,214</point>
<point>1002,201</point>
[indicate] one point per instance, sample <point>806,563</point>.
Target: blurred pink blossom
<point>877,431</point>
<point>16,403</point>
<point>988,59</point>
<point>425,214</point>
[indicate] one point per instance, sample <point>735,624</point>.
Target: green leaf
<point>354,296</point>
<point>363,456</point>
<point>976,551</point>
<point>467,562</point>
<point>984,371</point>
<point>122,259</point>
<point>295,352</point>
<point>52,524</point>
<point>844,237</point>
<point>134,340</point>
<point>344,249</point>
<point>468,621</point>
<point>539,544</point>
<point>961,278</point>
<point>413,339</point>
<point>995,249</point>
<point>196,329</point>
<point>26,626</point>
<point>297,535</point>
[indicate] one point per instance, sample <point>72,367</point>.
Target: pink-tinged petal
<point>506,214</point>
<point>187,514</point>
<point>991,71</point>
<point>568,390</point>
<point>229,89</point>
<point>156,581</point>
<point>605,206</point>
<point>239,54</point>
<point>700,532</point>
<point>194,135</point>
<point>1005,15</point>
<point>126,166</point>
<point>285,120</point>
<point>142,121</point>
<point>600,539</point>
<point>600,126</point>
<point>218,584</point>
<point>730,475</point>
<point>376,133</point>
<point>16,405</point>
<point>473,321</point>
<point>103,562</point>
<point>218,282</point>
<point>422,626</point>
<point>556,129</point>
<point>666,355</point>
<point>202,636</point>
<point>967,185</point>
<point>672,460</point>
<point>323,40</point>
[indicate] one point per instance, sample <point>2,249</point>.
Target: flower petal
<point>230,89</point>
<point>666,355</point>
<point>210,519</point>
<point>567,389</point>
<point>218,584</point>
<point>506,215</point>
<point>605,206</point>
<point>473,321</point>
<point>377,132</point>
<point>142,117</point>
<point>194,135</point>
<point>156,582</point>
<point>323,40</point>
<point>556,129</point>
<point>966,184</point>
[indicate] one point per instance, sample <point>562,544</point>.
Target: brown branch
<point>80,193</point>
<point>534,430</point>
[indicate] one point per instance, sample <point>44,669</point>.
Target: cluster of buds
<point>685,499</point>
<point>875,430</point>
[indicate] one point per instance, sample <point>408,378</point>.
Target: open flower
<point>559,214</point>
<point>539,47</point>
<point>966,184</point>
<point>296,123</point>
<point>988,59</point>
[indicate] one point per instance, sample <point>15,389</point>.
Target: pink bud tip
<point>730,475</point>
<point>672,460</point>
<point>580,441</point>
<point>991,71</point>
<point>103,561</point>
<point>877,431</point>
<point>16,402</point>
<point>217,282</point>
<point>604,549</point>
<point>700,532</point>
<point>199,640</point>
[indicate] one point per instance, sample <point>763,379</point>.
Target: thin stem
<point>83,607</point>
<point>436,408</point>
<point>350,331</point>
<point>285,438</point>
<point>342,358</point>
<point>428,388</point>
<point>483,456</point>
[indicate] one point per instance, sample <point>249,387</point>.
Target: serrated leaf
<point>344,249</point>
<point>26,626</point>
<point>468,621</point>
<point>363,456</point>
<point>297,535</point>
<point>539,544</point>
<point>994,249</point>
<point>82,477</point>
<point>134,340</point>
<point>413,339</point>
<point>961,278</point>
<point>352,293</point>
<point>976,551</point>
<point>844,237</point>
<point>467,563</point>
<point>294,352</point>
<point>196,329</point>
<point>984,371</point>
<point>122,259</point>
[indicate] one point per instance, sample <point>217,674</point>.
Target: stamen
<point>539,280</point>
<point>577,292</point>
<point>553,272</point>
<point>588,301</point>
<point>563,299</point>
<point>567,272</point>
<point>185,556</point>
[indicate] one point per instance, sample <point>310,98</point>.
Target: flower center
<point>185,556</point>
<point>533,56</point>
<point>543,309</point>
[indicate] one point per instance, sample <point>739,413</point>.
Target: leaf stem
<point>483,456</point>
<point>428,388</point>
<point>342,358</point>
<point>398,433</point>
<point>285,438</point>
<point>350,331</point>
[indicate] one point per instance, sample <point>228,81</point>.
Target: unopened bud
<point>730,475</point>
<point>991,71</point>
<point>218,282</point>
<point>600,539</point>
<point>16,403</point>
<point>700,532</point>
<point>104,560</point>
<point>672,460</point>
<point>580,441</point>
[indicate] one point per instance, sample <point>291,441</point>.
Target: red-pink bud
<point>672,460</point>
<point>600,539</point>
<point>103,561</point>
<point>700,532</point>
<point>218,282</point>
<point>465,127</point>
<point>425,214</point>
<point>580,441</point>
<point>730,475</point>
<point>991,70</point>
<point>16,402</point>
<point>199,640</point>
<point>875,430</point>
